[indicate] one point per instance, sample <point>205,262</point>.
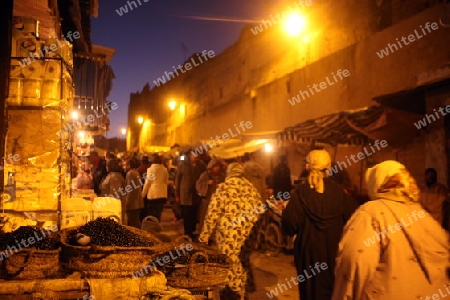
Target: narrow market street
<point>224,150</point>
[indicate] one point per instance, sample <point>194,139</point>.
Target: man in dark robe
<point>317,213</point>
<point>281,179</point>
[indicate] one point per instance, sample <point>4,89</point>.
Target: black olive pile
<point>107,232</point>
<point>20,239</point>
<point>185,258</point>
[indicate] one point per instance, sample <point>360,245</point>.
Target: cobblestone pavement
<point>269,270</point>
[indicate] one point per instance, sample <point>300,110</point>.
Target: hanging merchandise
<point>51,87</point>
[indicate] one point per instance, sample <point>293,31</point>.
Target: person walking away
<point>98,170</point>
<point>433,196</point>
<point>188,174</point>
<point>207,184</point>
<point>255,174</point>
<point>176,208</point>
<point>114,184</point>
<point>282,179</point>
<point>134,201</point>
<point>231,215</point>
<point>316,213</point>
<point>155,188</point>
<point>391,247</point>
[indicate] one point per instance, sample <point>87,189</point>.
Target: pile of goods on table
<point>107,259</point>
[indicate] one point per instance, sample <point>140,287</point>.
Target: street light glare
<point>268,147</point>
<point>74,115</point>
<point>124,131</point>
<point>140,120</point>
<point>295,24</point>
<point>172,105</point>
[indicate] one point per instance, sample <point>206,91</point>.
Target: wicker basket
<point>107,262</point>
<point>31,264</point>
<point>193,274</point>
<point>197,275</point>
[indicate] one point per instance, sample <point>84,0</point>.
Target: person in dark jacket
<point>186,193</point>
<point>206,186</point>
<point>317,213</point>
<point>281,179</point>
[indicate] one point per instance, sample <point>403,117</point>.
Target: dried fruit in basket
<point>107,232</point>
<point>29,237</point>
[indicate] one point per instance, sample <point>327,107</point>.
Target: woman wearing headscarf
<point>134,201</point>
<point>391,247</point>
<point>316,213</point>
<point>234,210</point>
<point>114,184</point>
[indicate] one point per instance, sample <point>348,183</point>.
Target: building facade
<point>351,56</point>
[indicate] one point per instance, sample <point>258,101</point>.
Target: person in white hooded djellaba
<point>391,247</point>
<point>155,188</point>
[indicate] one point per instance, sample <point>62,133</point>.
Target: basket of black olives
<point>104,248</point>
<point>30,253</point>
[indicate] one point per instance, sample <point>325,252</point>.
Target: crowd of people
<point>331,227</point>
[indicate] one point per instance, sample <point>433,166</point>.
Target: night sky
<point>148,39</point>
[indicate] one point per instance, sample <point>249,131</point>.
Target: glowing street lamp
<point>140,120</point>
<point>172,105</point>
<point>123,131</point>
<point>74,115</point>
<point>268,148</point>
<point>295,24</point>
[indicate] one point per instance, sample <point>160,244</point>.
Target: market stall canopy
<point>357,127</point>
<point>178,148</point>
<point>271,134</point>
<point>155,149</point>
<point>235,149</point>
<point>224,144</point>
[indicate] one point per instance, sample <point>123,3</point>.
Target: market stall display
<point>271,236</point>
<point>113,250</point>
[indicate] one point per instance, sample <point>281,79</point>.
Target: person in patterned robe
<point>233,212</point>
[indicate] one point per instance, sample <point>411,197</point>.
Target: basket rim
<point>212,265</point>
<point>34,250</point>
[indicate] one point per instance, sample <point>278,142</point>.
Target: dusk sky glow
<point>148,39</point>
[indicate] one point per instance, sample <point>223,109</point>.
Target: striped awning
<point>345,127</point>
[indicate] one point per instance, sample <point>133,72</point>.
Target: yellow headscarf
<point>391,175</point>
<point>235,170</point>
<point>319,161</point>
